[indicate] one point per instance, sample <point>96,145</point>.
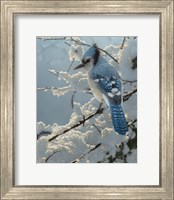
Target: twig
<point>79,42</point>
<point>82,43</point>
<point>54,72</point>
<point>134,61</point>
<point>76,160</point>
<point>96,146</point>
<point>72,100</point>
<point>123,42</point>
<point>43,133</point>
<point>127,81</point>
<point>70,65</point>
<point>47,88</point>
<point>108,55</point>
<point>128,95</point>
<point>67,44</point>
<point>96,128</point>
<point>132,122</point>
<point>54,152</point>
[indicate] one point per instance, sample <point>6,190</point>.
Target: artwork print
<point>86,99</point>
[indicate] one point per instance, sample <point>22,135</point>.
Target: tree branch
<point>108,55</point>
<point>123,42</point>
<point>77,159</point>
<point>95,147</point>
<point>132,122</point>
<point>99,111</point>
<point>127,81</point>
<point>81,43</point>
<point>47,88</point>
<point>98,145</point>
<point>82,122</point>
<point>54,72</point>
<point>96,128</point>
<point>54,152</point>
<point>128,95</point>
<point>70,65</point>
<point>72,99</point>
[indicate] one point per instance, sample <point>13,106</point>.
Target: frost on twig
<point>76,82</point>
<point>56,91</point>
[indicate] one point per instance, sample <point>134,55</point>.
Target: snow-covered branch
<point>82,122</point>
<point>104,51</point>
<point>78,42</point>
<point>130,141</point>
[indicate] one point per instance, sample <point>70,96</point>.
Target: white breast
<point>96,92</point>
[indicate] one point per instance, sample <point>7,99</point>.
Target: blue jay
<point>105,83</point>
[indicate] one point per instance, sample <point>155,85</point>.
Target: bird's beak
<point>79,66</point>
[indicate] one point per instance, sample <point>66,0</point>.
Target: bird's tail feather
<point>118,119</point>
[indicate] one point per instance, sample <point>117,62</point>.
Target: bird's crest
<point>92,52</point>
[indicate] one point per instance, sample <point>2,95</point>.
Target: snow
<point>76,52</point>
<point>92,137</point>
<point>132,156</point>
<point>78,81</point>
<point>68,147</point>
<point>125,149</point>
<point>41,127</point>
<point>60,91</point>
<point>83,140</point>
<point>41,148</point>
<point>110,138</point>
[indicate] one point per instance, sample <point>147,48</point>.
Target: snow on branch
<point>122,148</point>
<point>78,42</point>
<point>82,122</point>
<point>82,43</point>
<point>122,145</point>
<point>56,91</point>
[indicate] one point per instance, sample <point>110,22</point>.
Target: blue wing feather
<point>107,86</point>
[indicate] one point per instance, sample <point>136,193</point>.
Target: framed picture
<point>87,100</point>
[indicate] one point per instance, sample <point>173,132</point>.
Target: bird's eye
<point>86,60</point>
